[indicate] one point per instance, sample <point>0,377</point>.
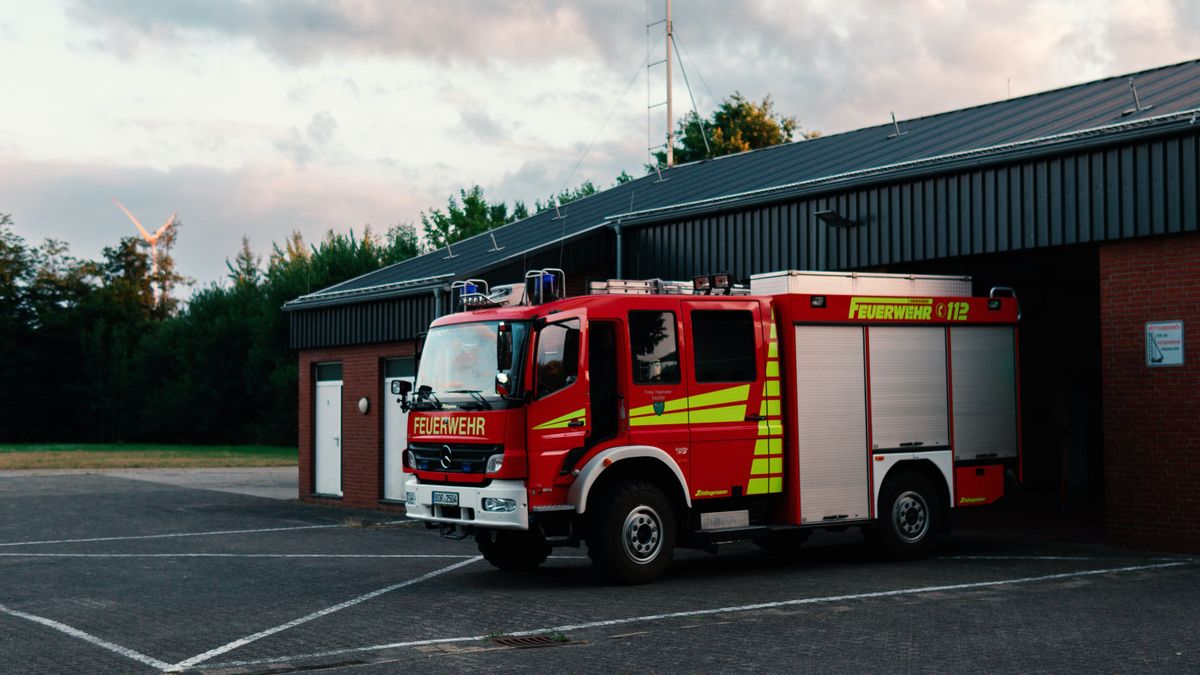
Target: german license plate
<point>445,498</point>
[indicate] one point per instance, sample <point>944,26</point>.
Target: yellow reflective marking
<point>732,413</point>
<point>737,394</point>
<point>680,417</point>
<point>773,349</point>
<point>776,465</point>
<point>561,421</point>
<point>668,406</point>
<point>757,486</point>
<point>771,388</point>
<point>772,330</point>
<point>769,407</point>
<point>762,446</point>
<point>758,467</point>
<point>775,446</point>
<point>731,395</point>
<point>770,428</point>
<point>776,484</point>
<point>772,368</point>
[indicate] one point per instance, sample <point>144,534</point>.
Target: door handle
<point>754,418</point>
<point>576,423</point>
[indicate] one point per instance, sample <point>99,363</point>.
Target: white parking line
<point>200,658</point>
<point>167,536</point>
<point>1041,557</point>
<point>230,555</point>
<point>88,637</point>
<point>715,610</point>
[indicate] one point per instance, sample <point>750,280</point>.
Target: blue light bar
<point>470,289</point>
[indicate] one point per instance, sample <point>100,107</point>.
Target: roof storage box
<point>859,283</point>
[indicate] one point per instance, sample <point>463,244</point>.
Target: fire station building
<point>1085,200</point>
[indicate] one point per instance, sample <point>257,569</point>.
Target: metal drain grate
<point>531,641</point>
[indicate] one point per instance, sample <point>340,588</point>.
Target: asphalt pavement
<point>105,573</point>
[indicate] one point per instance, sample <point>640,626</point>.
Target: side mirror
<point>502,383</point>
<point>402,388</point>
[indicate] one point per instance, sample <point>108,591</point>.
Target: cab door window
<point>653,346</point>
<point>724,345</point>
<point>557,357</point>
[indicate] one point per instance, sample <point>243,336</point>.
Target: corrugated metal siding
<point>1139,189</point>
<point>383,321</point>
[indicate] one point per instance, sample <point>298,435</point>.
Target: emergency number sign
<point>1164,343</point>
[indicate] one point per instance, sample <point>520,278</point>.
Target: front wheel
<point>513,551</point>
<point>631,532</point>
<point>910,516</point>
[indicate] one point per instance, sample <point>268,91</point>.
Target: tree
<point>245,268</point>
<point>737,125</point>
<point>474,215</point>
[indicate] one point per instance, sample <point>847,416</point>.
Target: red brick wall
<point>1151,415</point>
<point>362,435</point>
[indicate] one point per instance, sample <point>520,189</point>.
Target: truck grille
<point>461,458</point>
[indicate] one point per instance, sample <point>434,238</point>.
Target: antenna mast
<point>670,123</point>
<point>668,43</point>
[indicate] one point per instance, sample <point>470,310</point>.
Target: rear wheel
<point>514,551</point>
<point>631,532</point>
<point>910,516</point>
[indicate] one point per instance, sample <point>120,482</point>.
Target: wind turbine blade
<point>141,229</point>
<point>170,222</point>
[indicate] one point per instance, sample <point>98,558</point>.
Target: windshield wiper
<point>477,395</point>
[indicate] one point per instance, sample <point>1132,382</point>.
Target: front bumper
<point>469,512</point>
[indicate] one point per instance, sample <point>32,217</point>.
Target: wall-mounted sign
<point>1164,343</point>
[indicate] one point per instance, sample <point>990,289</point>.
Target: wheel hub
<point>910,515</point>
<point>642,535</point>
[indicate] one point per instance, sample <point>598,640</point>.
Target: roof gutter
<point>1149,127</point>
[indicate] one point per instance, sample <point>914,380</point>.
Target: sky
<point>261,117</point>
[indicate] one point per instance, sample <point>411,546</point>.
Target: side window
<point>557,357</point>
<point>654,347</point>
<point>724,344</point>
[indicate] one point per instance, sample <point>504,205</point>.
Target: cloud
<point>73,202</point>
<point>303,31</point>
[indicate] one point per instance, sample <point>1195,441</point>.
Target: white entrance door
<point>327,431</point>
<point>395,428</point>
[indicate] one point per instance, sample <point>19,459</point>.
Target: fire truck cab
<point>648,414</point>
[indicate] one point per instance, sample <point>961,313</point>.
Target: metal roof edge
<point>415,286</point>
<point>1051,142</point>
<point>326,297</point>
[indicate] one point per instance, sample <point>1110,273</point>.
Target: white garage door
<point>327,430</point>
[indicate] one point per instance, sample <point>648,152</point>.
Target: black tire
<point>631,532</point>
<point>512,551</point>
<point>909,517</point>
<point>783,542</point>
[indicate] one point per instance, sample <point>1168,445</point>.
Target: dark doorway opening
<point>1059,333</point>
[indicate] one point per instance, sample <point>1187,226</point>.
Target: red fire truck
<point>647,415</point>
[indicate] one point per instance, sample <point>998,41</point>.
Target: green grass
<point>140,455</point>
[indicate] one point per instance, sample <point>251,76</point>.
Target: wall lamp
<point>834,219</point>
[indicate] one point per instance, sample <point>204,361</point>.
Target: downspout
<point>620,251</point>
<point>437,302</point>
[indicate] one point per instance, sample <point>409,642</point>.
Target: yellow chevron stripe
<point>561,421</point>
<point>738,394</point>
<point>677,417</point>
<point>768,446</point>
<point>773,349</point>
<point>772,368</point>
<point>771,388</point>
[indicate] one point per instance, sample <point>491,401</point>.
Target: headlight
<point>495,463</point>
<point>499,505</point>
<point>410,459</point>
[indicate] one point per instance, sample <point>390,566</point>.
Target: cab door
<point>559,415</point>
<point>658,395</point>
<point>725,374</point>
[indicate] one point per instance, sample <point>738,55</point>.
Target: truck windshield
<point>459,364</point>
